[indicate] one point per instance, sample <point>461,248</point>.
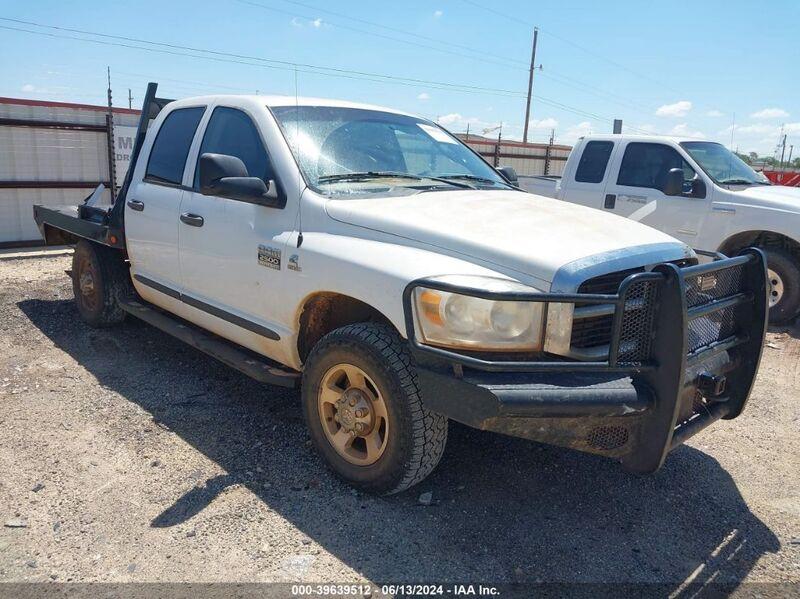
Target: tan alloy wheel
<point>775,287</point>
<point>353,414</point>
<point>86,283</point>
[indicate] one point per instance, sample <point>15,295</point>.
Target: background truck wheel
<point>783,273</point>
<point>363,409</point>
<point>100,278</point>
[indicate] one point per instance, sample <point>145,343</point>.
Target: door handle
<point>193,220</point>
<point>136,205</point>
<point>610,201</point>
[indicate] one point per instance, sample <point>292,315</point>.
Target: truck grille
<point>703,289</point>
<point>596,330</point>
<point>637,320</point>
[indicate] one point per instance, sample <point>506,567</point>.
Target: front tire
<point>100,278</point>
<point>362,405</point>
<point>784,286</point>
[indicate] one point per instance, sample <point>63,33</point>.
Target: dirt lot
<point>126,456</point>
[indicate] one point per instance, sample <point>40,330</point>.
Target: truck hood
<point>513,231</point>
<point>773,196</point>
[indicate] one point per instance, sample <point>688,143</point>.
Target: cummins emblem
<point>268,256</point>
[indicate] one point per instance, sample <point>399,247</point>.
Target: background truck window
<point>168,156</point>
<point>647,165</point>
<point>232,132</point>
<point>593,162</point>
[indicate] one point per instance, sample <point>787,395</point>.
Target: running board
<point>257,367</point>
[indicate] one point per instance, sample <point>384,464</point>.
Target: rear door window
<point>593,162</point>
<point>168,156</point>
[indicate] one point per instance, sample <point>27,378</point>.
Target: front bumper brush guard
<point>677,372</point>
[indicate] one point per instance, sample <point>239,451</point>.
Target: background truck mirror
<point>698,187</point>
<point>673,183</point>
<point>509,174</point>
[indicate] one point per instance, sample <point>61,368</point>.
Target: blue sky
<point>677,67</point>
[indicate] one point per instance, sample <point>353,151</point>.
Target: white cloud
<point>28,88</point>
<point>548,123</point>
<point>437,14</point>
<point>424,96</point>
<point>678,109</point>
<point>457,122</point>
<point>683,130</point>
<point>450,119</point>
<point>714,114</point>
<point>770,113</point>
<point>315,23</point>
<point>572,134</point>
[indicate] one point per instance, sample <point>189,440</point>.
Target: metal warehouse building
<point>55,153</point>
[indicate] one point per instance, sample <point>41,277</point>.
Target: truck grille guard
<point>692,335</point>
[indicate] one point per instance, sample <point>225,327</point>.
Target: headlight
<point>455,320</point>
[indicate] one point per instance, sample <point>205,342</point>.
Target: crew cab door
<point>232,252</point>
<point>153,202</point>
<point>638,176</point>
<point>585,181</point>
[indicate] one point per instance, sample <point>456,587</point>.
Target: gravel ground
<point>127,456</point>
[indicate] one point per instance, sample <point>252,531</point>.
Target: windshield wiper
<point>742,182</point>
<point>474,178</point>
<point>387,175</point>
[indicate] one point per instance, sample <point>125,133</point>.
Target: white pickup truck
<point>370,258</point>
<point>696,191</point>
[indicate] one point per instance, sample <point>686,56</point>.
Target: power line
<point>403,31</point>
<point>240,58</point>
<point>504,62</point>
<point>591,52</point>
<point>227,57</point>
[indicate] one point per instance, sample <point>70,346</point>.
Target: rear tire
<point>363,409</point>
<point>783,286</point>
<point>100,278</point>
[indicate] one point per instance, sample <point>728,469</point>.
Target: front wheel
<point>363,409</point>
<point>783,273</point>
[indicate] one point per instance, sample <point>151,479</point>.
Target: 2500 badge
<point>269,256</point>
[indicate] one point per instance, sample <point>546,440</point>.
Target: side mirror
<point>509,174</point>
<point>673,184</point>
<point>698,187</point>
<point>226,176</point>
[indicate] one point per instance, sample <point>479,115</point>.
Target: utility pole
<point>530,85</point>
<point>789,160</point>
<point>617,127</point>
<point>783,150</point>
<point>130,98</point>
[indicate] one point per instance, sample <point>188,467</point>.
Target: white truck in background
<point>696,191</point>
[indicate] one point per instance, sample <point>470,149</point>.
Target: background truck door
<point>586,184</point>
<point>232,252</point>
<point>641,170</point>
<point>153,203</point>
